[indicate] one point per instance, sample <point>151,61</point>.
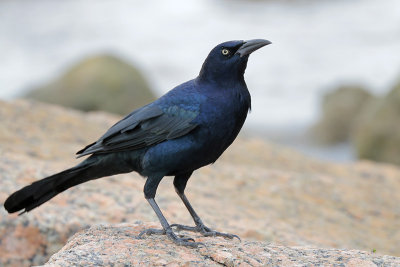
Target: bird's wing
<point>144,127</point>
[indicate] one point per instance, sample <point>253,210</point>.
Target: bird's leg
<point>200,227</point>
<point>150,188</point>
<point>167,230</point>
<point>180,184</point>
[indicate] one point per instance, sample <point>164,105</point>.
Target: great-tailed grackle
<point>186,129</point>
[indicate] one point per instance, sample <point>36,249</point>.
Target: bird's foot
<point>151,231</point>
<point>179,240</point>
<point>204,230</point>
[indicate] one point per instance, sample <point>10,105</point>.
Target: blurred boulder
<point>377,136</point>
<point>341,109</point>
<point>101,82</point>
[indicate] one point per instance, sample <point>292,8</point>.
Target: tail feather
<point>39,192</point>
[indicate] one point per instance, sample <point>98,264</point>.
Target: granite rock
<point>118,245</point>
<point>258,190</point>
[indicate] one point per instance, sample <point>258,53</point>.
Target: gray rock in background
<point>101,82</point>
<point>377,136</point>
<point>341,110</point>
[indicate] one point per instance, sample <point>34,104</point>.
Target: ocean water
<point>317,45</point>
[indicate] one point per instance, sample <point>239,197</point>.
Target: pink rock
<point>110,245</point>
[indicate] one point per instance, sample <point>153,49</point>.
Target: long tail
<point>94,167</point>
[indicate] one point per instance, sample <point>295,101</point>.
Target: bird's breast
<point>223,115</point>
<point>219,120</point>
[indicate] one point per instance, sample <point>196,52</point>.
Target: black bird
<point>182,131</point>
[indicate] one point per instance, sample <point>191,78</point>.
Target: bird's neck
<point>221,82</point>
<point>221,79</point>
<point>222,75</point>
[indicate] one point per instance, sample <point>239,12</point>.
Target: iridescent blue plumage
<point>186,129</point>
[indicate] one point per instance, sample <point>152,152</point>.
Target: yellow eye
<point>225,52</point>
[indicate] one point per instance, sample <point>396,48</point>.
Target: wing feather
<point>147,126</point>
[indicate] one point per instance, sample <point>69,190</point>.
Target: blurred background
<point>328,86</point>
<point>318,88</point>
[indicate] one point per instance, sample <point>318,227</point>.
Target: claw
<point>183,241</point>
<point>226,235</point>
<point>236,236</point>
<point>186,238</point>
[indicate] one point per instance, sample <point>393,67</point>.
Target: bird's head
<point>229,59</point>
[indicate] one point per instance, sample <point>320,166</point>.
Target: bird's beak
<point>250,46</point>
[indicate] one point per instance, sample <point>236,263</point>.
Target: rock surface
<point>257,190</point>
<point>118,245</point>
<point>90,84</point>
